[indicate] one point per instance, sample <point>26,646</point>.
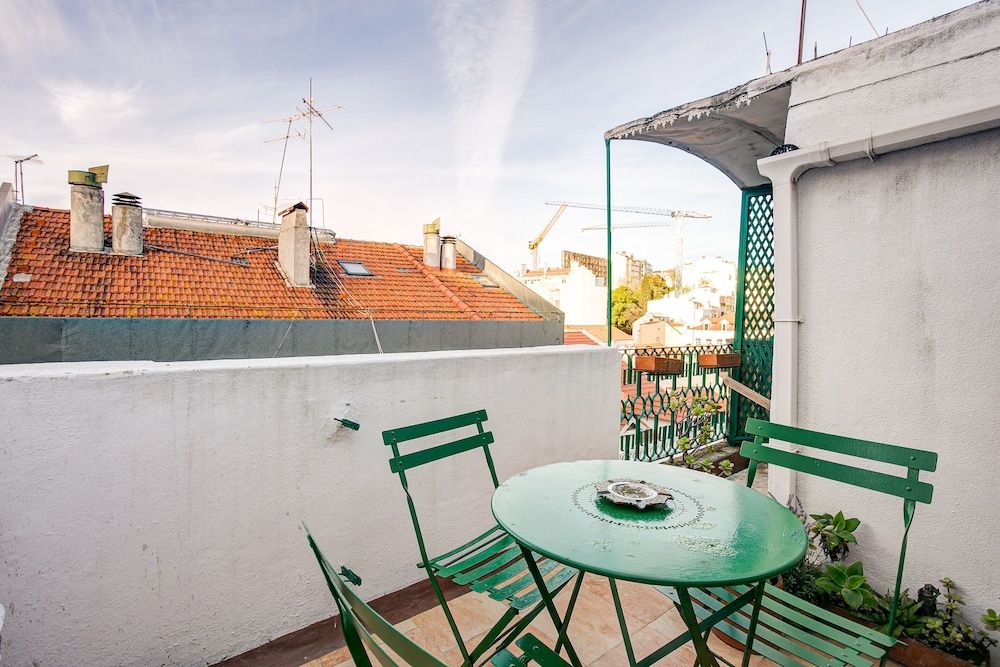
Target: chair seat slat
<point>803,644</point>
<point>494,564</point>
<point>493,533</point>
<point>475,557</point>
<point>777,616</point>
<point>522,583</point>
<point>831,618</point>
<point>552,584</point>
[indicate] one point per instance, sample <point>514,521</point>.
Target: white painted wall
<point>580,294</point>
<point>151,510</point>
<point>899,285</point>
<point>938,68</point>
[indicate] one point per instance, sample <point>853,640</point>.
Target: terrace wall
<point>151,511</point>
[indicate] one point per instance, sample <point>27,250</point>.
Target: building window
<point>354,268</point>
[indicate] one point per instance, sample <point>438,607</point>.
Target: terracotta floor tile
<point>594,628</point>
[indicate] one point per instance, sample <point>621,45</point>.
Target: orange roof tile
<point>169,283</point>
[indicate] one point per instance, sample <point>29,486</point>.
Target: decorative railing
<point>650,426</point>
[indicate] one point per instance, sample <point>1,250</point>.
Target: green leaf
<point>852,598</point>
<point>852,524</point>
<point>855,581</point>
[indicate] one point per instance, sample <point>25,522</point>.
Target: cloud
<point>85,107</point>
<point>488,50</point>
<point>31,28</point>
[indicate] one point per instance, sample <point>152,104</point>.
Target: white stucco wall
<point>150,511</point>
<point>938,68</point>
<point>899,286</point>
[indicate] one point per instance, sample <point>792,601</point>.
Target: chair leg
<point>751,631</point>
<point>466,658</point>
<point>529,558</point>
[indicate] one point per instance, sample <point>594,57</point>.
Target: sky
<point>474,111</point>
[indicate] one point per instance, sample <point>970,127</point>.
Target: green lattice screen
<point>754,305</point>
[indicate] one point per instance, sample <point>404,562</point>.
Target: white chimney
<point>126,224</point>
<point>449,260</point>
<point>293,245</point>
<point>432,244</point>
<point>86,209</point>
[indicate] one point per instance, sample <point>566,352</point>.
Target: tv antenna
<point>19,161</point>
<point>284,138</point>
<point>307,110</point>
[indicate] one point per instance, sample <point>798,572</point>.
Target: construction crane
<point>533,245</point>
<point>678,216</point>
<point>563,205</point>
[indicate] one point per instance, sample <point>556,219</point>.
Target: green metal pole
<point>607,280</point>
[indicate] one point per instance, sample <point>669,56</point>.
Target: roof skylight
<point>354,268</point>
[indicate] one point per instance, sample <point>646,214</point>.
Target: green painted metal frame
<point>491,562</point>
<point>608,281</point>
<point>793,630</point>
<point>660,441</point>
<point>754,329</point>
<point>361,624</point>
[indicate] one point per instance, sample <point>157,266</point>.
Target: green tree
<point>625,308</point>
<point>628,305</point>
<point>652,287</point>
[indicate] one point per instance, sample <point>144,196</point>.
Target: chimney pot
<point>432,244</point>
<point>86,218</point>
<point>449,259</point>
<point>126,224</point>
<point>293,245</point>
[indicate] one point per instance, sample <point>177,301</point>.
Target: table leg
<point>529,559</point>
<point>758,598</point>
<point>705,658</point>
<point>621,622</point>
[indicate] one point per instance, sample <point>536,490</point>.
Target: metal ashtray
<point>634,492</point>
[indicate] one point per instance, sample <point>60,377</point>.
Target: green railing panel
<point>649,427</point>
<point>754,306</point>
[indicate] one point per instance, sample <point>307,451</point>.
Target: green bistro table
<point>712,533</point>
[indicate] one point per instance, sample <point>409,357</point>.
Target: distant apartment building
<point>578,286</point>
<point>704,314</point>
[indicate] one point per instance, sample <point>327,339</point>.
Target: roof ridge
<point>440,285</point>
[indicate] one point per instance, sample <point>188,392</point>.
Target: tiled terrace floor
<point>652,622</point>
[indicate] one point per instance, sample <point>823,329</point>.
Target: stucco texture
<point>899,284</point>
<point>151,511</point>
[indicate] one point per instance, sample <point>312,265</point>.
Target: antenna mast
<point>288,135</point>
<point>311,112</point>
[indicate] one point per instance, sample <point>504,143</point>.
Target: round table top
<point>713,532</point>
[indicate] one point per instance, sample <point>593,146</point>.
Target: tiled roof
<point>599,332</point>
<point>181,282</point>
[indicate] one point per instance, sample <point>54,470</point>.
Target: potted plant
<point>648,363</point>
<point>930,628</point>
<point>696,431</point>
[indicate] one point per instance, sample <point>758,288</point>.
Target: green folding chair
<point>361,625</point>
<point>491,562</point>
<point>790,631</point>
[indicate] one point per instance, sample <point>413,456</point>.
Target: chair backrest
<point>400,463</point>
<point>909,488</point>
<point>360,623</point>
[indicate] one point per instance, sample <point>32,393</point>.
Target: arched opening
<point>730,131</point>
